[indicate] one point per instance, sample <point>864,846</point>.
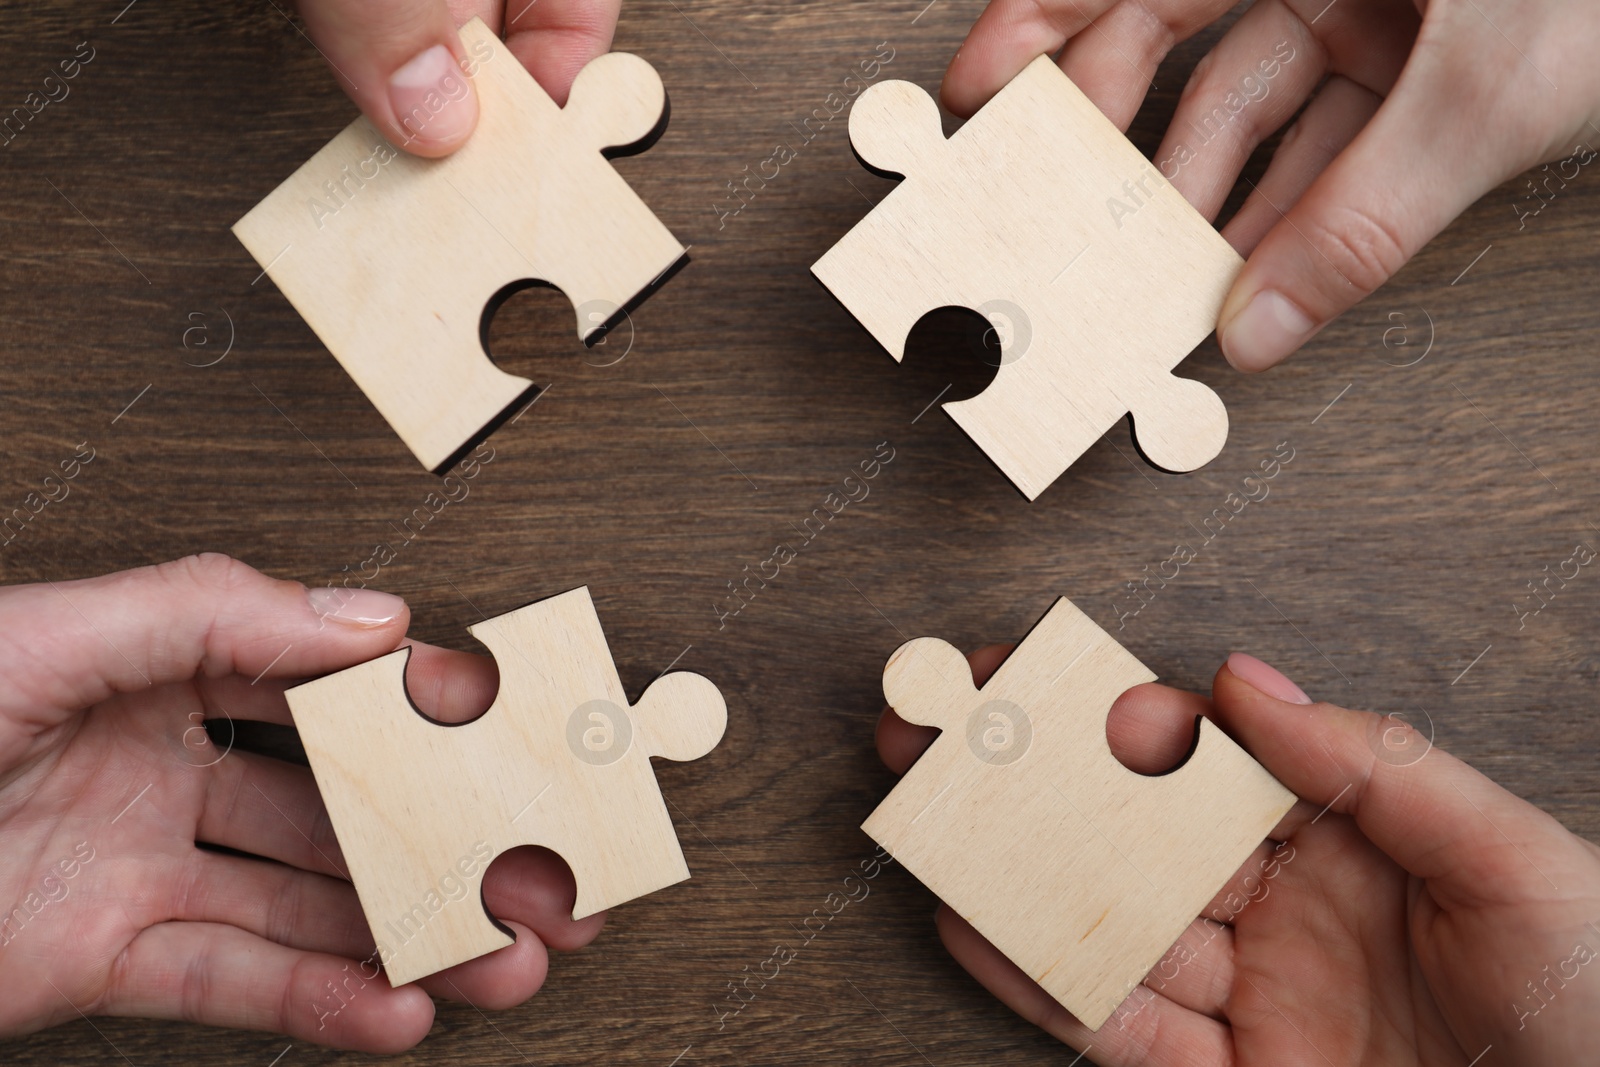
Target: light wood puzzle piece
<point>559,760</point>
<point>1039,214</point>
<point>392,259</point>
<point>1080,871</point>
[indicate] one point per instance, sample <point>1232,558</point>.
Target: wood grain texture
<point>1038,214</point>
<point>1382,559</point>
<point>1082,872</point>
<point>561,759</point>
<point>397,288</point>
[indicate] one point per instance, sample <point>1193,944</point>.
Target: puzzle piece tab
<point>1082,872</point>
<point>1040,215</point>
<point>392,259</point>
<point>559,760</point>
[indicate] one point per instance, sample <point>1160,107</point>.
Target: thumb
<point>1432,814</point>
<point>400,61</point>
<point>1404,178</point>
<point>70,645</point>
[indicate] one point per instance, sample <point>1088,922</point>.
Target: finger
<point>1367,41</point>
<point>1148,1029</point>
<point>1197,971</point>
<point>535,887</point>
<point>73,644</point>
<point>1432,814</point>
<point>1336,114</point>
<point>1150,728</point>
<point>1413,169</point>
<point>1112,49</point>
<point>444,684</point>
<point>401,62</point>
<point>900,742</point>
<point>503,979</point>
<point>448,685</point>
<point>269,808</point>
<point>1265,67</point>
<point>243,699</point>
<point>223,976</point>
<point>294,908</point>
<point>555,39</point>
<point>1115,59</point>
<point>1250,84</point>
<point>1008,36</point>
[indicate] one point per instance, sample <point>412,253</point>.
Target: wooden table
<point>1428,486</point>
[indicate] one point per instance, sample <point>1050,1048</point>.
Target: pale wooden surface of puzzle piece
<point>1080,871</point>
<point>394,279</point>
<point>558,760</point>
<point>1013,217</point>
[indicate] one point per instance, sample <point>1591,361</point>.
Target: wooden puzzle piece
<point>1040,215</point>
<point>560,760</point>
<point>1080,871</point>
<point>392,259</point>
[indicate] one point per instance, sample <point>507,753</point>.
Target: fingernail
<point>1267,330</point>
<point>356,607</point>
<point>433,101</point>
<point>1253,672</point>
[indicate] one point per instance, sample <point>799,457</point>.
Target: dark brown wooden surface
<point>1387,556</point>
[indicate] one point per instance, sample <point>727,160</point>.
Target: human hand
<point>1406,911</point>
<point>1417,117</point>
<point>108,784</point>
<point>402,61</point>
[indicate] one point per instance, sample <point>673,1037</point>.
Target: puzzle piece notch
<point>995,218</point>
<point>559,760</point>
<point>1079,870</point>
<point>392,259</point>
